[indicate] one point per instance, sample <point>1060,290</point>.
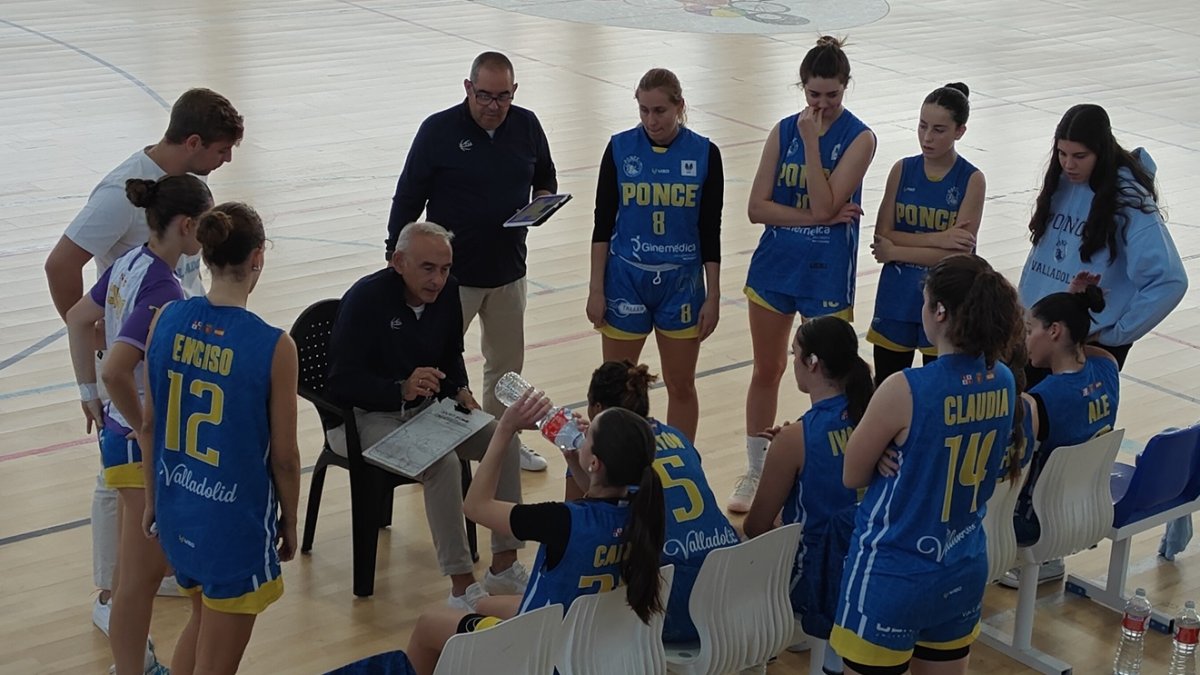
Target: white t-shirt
<point>109,225</point>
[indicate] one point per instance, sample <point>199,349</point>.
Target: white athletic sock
<point>756,453</point>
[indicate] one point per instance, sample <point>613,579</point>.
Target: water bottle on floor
<point>1133,635</point>
<point>558,426</point>
<point>1187,634</point>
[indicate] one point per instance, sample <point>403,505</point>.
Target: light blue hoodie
<point>1141,285</point>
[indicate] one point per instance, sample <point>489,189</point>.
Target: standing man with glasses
<point>469,168</point>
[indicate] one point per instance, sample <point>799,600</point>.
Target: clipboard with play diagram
<point>429,436</point>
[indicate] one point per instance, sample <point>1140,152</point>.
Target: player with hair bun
<point>221,454</point>
<point>931,208</point>
<point>126,297</point>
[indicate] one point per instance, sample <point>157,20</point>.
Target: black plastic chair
<point>371,488</point>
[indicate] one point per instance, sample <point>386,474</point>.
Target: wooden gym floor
<point>332,92</point>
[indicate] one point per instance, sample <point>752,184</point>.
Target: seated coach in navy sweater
<point>397,347</point>
<point>470,168</point>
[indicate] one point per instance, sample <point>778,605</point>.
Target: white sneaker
<point>743,493</point>
<point>530,460</point>
<point>101,613</point>
<point>169,588</point>
<point>511,581</point>
<point>1051,570</point>
<point>466,602</point>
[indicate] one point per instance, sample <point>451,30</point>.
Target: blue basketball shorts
<point>245,596</point>
<point>899,336</point>
<point>122,460</point>
<point>641,300</point>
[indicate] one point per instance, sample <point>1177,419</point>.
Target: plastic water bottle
<point>1187,634</point>
<point>558,426</point>
<point>1133,635</point>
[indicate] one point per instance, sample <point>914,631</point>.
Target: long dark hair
<point>834,343</point>
<point>620,384</point>
<point>1017,443</point>
<point>1073,310</point>
<point>624,443</point>
<point>1088,124</point>
<point>983,311</point>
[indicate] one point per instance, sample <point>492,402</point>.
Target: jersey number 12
<point>216,411</point>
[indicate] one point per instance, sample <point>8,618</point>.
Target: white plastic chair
<point>522,644</point>
<point>601,635</point>
<point>1073,502</point>
<point>740,606</point>
<point>998,525</point>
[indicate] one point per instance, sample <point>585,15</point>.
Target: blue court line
<point>90,56</point>
<point>30,350</point>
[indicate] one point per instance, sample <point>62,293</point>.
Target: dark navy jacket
<point>470,183</point>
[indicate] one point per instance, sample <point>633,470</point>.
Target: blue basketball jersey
<point>591,562</point>
<point>819,492</point>
<point>927,518</point>
<point>1078,406</point>
<point>922,206</point>
<point>810,262</point>
<point>695,523</point>
<point>658,218</point>
<point>211,381</point>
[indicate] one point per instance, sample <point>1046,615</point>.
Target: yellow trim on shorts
<point>757,299</point>
<point>486,623</point>
<point>689,333</point>
<point>851,647</point>
<point>125,476</point>
<point>877,339</point>
<point>846,315</point>
<point>961,642</point>
<point>254,602</point>
<point>609,331</point>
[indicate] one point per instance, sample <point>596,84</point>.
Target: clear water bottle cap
<point>1141,592</point>
<point>1190,604</point>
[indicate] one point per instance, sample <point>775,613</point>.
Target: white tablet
<point>538,211</point>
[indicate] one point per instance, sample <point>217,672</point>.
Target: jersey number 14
<point>969,468</point>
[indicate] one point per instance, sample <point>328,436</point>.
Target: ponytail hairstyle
<point>984,314</point>
<point>661,78</point>
<point>954,98</point>
<point>228,234</point>
<point>168,197</point>
<point>1016,360</point>
<point>620,384</point>
<point>1088,124</point>
<point>624,443</point>
<point>835,345</point>
<point>826,60</point>
<point>1073,310</point>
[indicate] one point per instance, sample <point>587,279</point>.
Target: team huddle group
<point>194,397</point>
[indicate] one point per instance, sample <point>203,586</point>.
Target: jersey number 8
<point>658,220</point>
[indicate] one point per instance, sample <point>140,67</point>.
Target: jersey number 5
<point>972,470</point>
<point>695,501</point>
<point>216,411</point>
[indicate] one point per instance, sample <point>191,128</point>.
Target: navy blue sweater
<point>378,341</point>
<point>470,183</point>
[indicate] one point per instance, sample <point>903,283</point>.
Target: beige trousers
<point>442,485</point>
<point>501,314</point>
